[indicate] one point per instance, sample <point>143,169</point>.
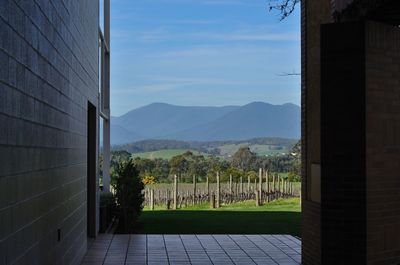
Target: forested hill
<point>164,121</point>
<point>205,146</point>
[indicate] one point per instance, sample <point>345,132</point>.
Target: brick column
<point>360,143</point>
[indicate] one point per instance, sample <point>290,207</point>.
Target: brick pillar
<point>360,143</point>
<point>343,182</point>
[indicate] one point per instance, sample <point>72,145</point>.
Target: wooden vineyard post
<point>267,185</point>
<point>152,199</point>
<point>230,188</point>
<point>175,206</point>
<point>212,201</point>
<point>279,186</point>
<point>287,187</point>
<point>257,194</point>
<point>218,192</point>
<point>291,189</point>
<point>260,173</point>
<point>236,191</point>
<point>208,187</point>
<point>168,199</point>
<point>273,183</point>
<point>194,189</point>
<point>248,186</point>
<point>187,198</point>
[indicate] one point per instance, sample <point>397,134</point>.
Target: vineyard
<point>264,189</point>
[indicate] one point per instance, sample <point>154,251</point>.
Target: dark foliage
<point>107,199</point>
<point>244,159</point>
<point>243,163</point>
<point>128,192</point>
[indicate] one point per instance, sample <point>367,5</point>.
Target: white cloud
<point>157,84</point>
<point>245,34</point>
<point>193,22</point>
<point>213,2</point>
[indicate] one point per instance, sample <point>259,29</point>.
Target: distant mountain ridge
<point>165,121</point>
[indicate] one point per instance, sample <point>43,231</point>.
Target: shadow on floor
<point>214,222</point>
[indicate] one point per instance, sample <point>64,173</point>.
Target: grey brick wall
<point>48,73</point>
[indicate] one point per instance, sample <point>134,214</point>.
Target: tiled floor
<point>194,249</point>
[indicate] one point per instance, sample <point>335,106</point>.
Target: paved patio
<point>194,249</point>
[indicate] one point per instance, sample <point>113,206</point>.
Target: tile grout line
<point>222,249</point>
<point>286,244</point>
<point>183,244</point>
<point>205,251</point>
<point>180,236</point>
<point>279,247</point>
<point>229,236</point>
<point>294,240</point>
<point>166,250</point>
<point>127,248</point>
<point>261,248</point>
<point>147,251</point>
<point>109,245</point>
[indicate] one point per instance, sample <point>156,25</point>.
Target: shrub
<point>149,180</point>
<point>128,192</point>
<point>107,209</point>
<point>106,199</point>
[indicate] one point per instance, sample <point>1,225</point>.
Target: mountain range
<point>165,121</point>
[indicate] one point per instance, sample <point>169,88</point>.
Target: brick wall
<point>383,143</point>
<point>360,143</point>
<point>343,181</point>
<point>314,13</point>
<point>48,73</point>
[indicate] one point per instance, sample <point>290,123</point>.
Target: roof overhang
<point>387,11</point>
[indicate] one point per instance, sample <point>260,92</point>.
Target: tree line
<point>243,163</point>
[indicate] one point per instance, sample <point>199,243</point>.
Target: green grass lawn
<point>278,217</point>
<point>261,150</point>
<point>164,154</point>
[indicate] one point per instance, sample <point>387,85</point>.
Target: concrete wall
<point>48,73</point>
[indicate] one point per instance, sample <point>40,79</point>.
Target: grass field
<point>261,150</point>
<point>278,217</point>
<point>227,150</point>
<point>164,154</point>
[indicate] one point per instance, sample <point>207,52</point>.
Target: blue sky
<point>202,52</point>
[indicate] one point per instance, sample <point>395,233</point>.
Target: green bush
<point>107,210</point>
<point>106,199</point>
<point>128,192</point>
